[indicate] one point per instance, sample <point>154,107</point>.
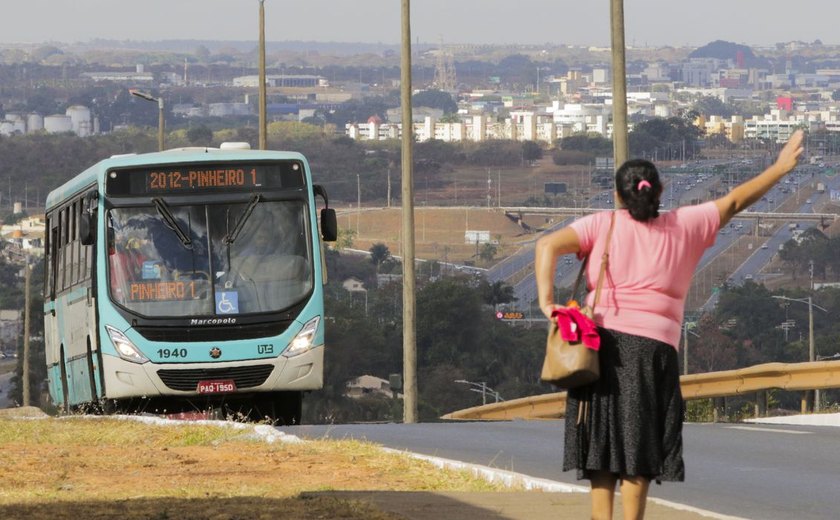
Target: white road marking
<point>771,430</point>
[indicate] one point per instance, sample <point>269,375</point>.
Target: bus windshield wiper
<point>171,223</point>
<point>230,238</point>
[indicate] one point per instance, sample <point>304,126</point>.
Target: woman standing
<point>631,430</point>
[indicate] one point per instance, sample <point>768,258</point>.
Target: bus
<point>188,280</point>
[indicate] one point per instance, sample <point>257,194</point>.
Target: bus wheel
<point>288,408</point>
<point>65,391</point>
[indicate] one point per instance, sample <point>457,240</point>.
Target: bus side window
<point>89,207</point>
<point>48,268</point>
<point>65,249</point>
<point>82,249</point>
<point>59,272</point>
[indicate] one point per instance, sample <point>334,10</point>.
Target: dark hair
<point>637,182</point>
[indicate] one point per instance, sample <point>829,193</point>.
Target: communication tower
<point>445,70</point>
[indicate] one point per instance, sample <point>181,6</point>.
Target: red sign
<point>216,386</point>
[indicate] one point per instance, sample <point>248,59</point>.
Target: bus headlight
<point>304,339</point>
<point>125,348</point>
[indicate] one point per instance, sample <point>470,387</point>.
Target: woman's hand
<point>790,153</point>
<point>549,309</point>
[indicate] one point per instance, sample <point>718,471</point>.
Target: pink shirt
<point>650,269</point>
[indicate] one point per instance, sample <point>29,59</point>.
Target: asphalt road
<point>763,472</point>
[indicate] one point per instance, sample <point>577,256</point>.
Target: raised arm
<point>746,193</point>
<point>549,247</point>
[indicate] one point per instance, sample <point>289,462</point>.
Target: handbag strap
<point>605,262</point>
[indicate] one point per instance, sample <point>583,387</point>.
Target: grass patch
<point>106,468</point>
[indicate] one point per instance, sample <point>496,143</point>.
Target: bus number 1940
<point>165,353</point>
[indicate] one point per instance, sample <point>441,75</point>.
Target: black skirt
<point>631,418</point>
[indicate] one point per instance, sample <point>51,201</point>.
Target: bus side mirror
<point>87,229</point>
<point>329,225</point>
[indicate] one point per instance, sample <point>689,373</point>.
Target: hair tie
<point>642,184</point>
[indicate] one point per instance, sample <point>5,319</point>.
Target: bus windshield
<point>209,259</point>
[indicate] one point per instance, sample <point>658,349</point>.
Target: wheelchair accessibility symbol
<point>227,302</point>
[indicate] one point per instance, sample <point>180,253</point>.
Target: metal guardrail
<point>787,376</point>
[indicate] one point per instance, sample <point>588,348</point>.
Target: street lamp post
<point>811,347</point>
<point>482,388</point>
<point>262,78</point>
<point>159,100</point>
<point>686,332</point>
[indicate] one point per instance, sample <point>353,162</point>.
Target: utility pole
<point>409,301</point>
<point>262,108</point>
<point>161,124</point>
<point>685,348</point>
<point>811,348</point>
<point>619,83</point>
<point>389,183</point>
<point>358,202</point>
<point>499,188</point>
<point>808,394</point>
<point>27,399</point>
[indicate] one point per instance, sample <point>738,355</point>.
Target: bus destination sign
<point>196,179</point>
<point>203,178</point>
<point>154,291</point>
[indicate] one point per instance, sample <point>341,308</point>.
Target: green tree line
<point>458,338</point>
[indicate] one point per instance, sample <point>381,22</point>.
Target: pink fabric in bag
<point>574,327</point>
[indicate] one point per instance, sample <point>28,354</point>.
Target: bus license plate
<point>216,386</point>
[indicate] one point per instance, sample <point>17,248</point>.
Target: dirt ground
<point>72,468</point>
<point>440,233</point>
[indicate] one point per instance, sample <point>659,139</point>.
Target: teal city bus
<point>187,280</point>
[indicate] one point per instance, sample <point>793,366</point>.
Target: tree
<point>202,53</point>
<point>591,143</point>
<point>793,256</point>
<point>435,99</point>
<point>713,106</point>
<point>200,136</point>
<point>42,53</point>
<point>488,252</point>
<point>668,137</point>
<point>495,153</point>
<point>345,238</point>
<point>497,293</point>
<point>517,69</point>
<point>715,352</point>
<point>531,151</point>
<point>379,254</point>
<point>358,111</point>
<point>293,131</point>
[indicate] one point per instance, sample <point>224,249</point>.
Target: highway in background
<point>682,185</point>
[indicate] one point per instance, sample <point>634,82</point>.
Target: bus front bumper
<point>124,379</point>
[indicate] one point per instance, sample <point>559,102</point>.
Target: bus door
<point>51,336</point>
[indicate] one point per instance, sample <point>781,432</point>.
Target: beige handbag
<point>572,364</point>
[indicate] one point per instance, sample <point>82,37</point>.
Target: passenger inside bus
<point>126,263</point>
<point>177,260</point>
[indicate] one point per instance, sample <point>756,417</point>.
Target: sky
<point>578,22</point>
